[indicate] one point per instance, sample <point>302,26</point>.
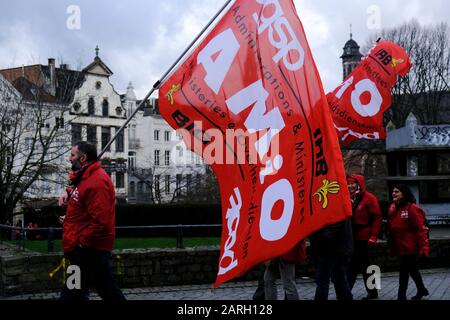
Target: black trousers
<point>408,266</point>
<point>96,272</point>
<point>358,265</point>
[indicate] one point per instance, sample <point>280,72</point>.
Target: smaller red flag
<point>358,104</point>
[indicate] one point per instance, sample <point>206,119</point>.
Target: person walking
<point>331,250</point>
<point>89,225</point>
<point>286,264</point>
<point>366,222</point>
<point>407,239</point>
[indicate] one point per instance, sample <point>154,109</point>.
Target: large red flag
<point>252,103</point>
<point>358,104</point>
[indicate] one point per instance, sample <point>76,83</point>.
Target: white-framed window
<point>167,158</point>
<point>156,135</point>
<point>157,153</point>
<point>167,184</point>
<point>166,135</point>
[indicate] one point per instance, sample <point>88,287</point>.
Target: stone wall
<point>27,272</point>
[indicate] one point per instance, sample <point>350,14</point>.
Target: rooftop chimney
<point>51,66</point>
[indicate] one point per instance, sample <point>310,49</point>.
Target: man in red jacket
<point>367,220</point>
<point>89,225</point>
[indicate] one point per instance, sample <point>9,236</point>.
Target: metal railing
<point>24,233</point>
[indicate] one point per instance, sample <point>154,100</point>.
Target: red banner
<point>251,102</point>
<point>358,104</point>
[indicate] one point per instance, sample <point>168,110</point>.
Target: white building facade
<point>161,169</point>
<point>81,105</point>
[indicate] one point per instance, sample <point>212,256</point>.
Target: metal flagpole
<point>158,83</point>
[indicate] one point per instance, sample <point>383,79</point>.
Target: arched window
<point>91,106</point>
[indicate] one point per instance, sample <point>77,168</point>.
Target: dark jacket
<point>297,254</point>
<point>407,230</point>
<point>90,217</point>
<point>367,218</point>
<point>335,239</point>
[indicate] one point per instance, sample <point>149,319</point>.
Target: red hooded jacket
<point>407,230</point>
<point>90,216</point>
<point>367,218</point>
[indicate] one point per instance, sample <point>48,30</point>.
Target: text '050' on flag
<point>249,100</point>
<point>358,104</point>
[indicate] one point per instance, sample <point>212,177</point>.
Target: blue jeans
<point>334,267</point>
<point>96,272</point>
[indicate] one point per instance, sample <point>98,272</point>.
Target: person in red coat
<point>89,225</point>
<point>366,222</point>
<point>407,238</point>
<point>286,264</point>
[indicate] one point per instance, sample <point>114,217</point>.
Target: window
<point>179,135</point>
<point>98,85</point>
<point>91,134</point>
<point>437,191</point>
<point>178,185</point>
<point>106,136</point>
<point>76,107</point>
<point>188,183</point>
<point>156,158</point>
<point>167,158</point>
<point>118,111</point>
<point>167,184</point>
<point>105,108</point>
<point>91,107</point>
<point>59,123</point>
<point>120,142</point>
<point>157,178</point>
<point>76,133</point>
<point>131,160</point>
<point>120,180</point>
<point>132,193</point>
<point>140,188</point>
<point>156,135</point>
<point>166,135</point>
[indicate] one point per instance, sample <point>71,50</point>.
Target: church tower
<point>351,56</point>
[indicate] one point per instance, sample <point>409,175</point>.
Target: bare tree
<point>176,183</point>
<point>424,88</point>
<point>33,140</point>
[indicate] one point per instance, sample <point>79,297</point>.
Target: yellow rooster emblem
<point>396,61</point>
<point>169,94</point>
<point>328,187</point>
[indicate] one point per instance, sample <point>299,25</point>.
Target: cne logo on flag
<point>171,92</point>
<point>328,187</point>
<point>397,61</point>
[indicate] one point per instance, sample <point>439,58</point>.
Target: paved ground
<point>436,280</point>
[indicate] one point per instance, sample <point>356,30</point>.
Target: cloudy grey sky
<point>139,39</point>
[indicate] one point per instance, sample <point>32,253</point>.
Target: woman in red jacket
<point>367,220</point>
<point>407,238</point>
